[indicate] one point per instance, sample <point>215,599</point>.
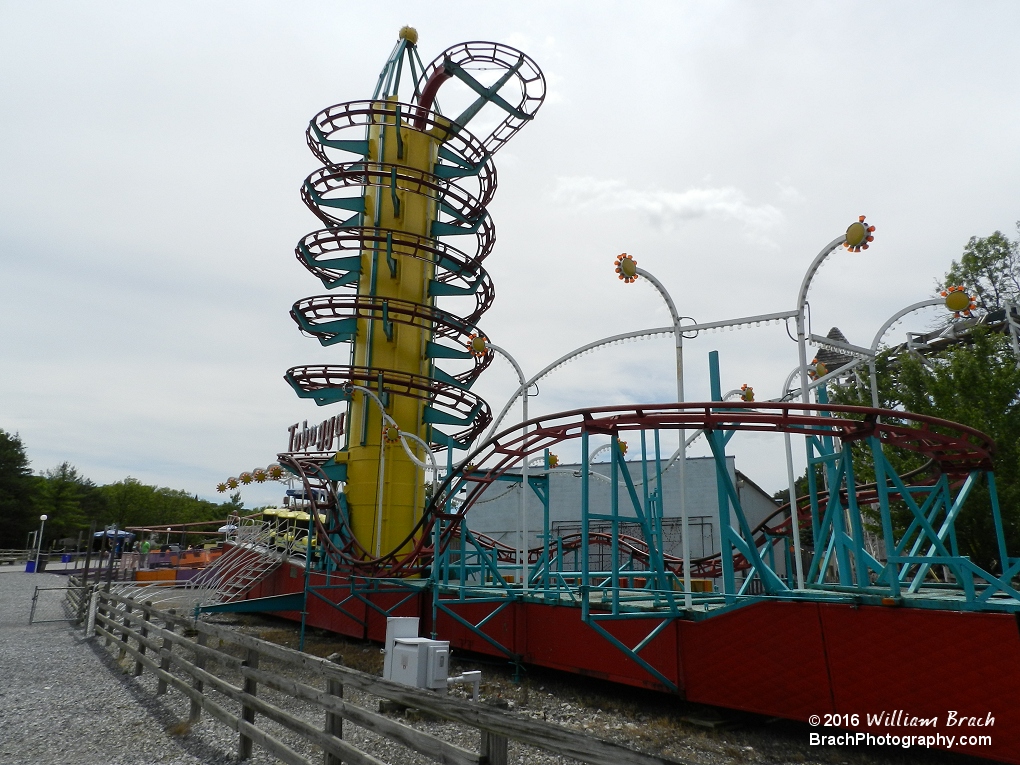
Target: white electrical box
<point>397,627</point>
<point>420,662</point>
<point>412,660</point>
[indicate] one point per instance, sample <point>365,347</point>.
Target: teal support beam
<point>294,601</point>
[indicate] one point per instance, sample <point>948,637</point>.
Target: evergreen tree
<point>63,494</point>
<point>17,486</point>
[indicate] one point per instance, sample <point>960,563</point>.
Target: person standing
<point>144,550</point>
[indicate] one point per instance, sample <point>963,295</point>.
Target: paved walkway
<point>63,699</point>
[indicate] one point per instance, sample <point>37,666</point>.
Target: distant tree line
<point>72,502</point>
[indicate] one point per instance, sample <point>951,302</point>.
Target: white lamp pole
<point>522,546</point>
<point>881,333</point>
<point>627,267</point>
<point>856,238</point>
<point>38,541</point>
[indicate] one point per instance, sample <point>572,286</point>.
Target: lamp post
<point>628,271</point>
<point>858,235</point>
<point>38,540</point>
<point>478,346</point>
<point>168,536</point>
<point>881,333</point>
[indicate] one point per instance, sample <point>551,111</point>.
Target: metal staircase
<point>244,564</point>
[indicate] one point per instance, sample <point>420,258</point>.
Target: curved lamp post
<point>881,333</point>
<point>478,346</point>
<point>629,272</point>
<point>856,238</point>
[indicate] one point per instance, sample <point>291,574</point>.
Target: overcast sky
<point>151,156</point>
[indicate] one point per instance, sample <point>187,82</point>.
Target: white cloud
<point>663,207</point>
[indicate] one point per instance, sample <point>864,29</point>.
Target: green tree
<point>989,269</point>
<point>976,384</point>
<point>235,505</point>
<point>67,498</point>
<point>133,503</point>
<point>17,486</point>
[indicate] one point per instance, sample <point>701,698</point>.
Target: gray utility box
<point>420,662</point>
<point>396,627</point>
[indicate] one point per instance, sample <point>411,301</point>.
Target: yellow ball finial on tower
<point>408,33</point>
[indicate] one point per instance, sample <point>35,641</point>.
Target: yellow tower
<point>417,179</point>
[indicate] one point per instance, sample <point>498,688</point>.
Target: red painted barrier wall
<point>791,660</point>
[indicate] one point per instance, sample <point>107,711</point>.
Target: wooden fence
<point>14,557</point>
<point>162,641</point>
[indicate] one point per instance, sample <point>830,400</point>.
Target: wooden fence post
<point>124,637</point>
<point>196,706</point>
<point>334,722</point>
<point>109,609</point>
<point>147,614</point>
<point>83,603</point>
<point>90,626</point>
<point>168,646</point>
<point>494,748</point>
<point>248,713</point>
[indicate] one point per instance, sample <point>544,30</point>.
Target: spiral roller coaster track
<point>398,178</point>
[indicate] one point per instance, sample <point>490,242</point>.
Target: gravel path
<point>64,699</point>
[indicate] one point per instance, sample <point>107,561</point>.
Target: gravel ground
<point>64,700</point>
<point>68,700</point>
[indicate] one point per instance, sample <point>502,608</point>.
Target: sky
<point>151,156</point>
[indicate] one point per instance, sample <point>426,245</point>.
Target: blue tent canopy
<point>119,533</point>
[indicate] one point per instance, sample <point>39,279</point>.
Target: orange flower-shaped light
<point>626,268</point>
<point>858,235</point>
<point>221,487</point>
<point>478,344</point>
<point>746,392</point>
<point>958,301</point>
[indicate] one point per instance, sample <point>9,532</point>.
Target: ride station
<point>808,611</point>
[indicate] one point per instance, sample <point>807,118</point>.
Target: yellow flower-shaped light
<point>858,235</point>
<point>275,472</point>
<point>245,478</point>
<point>553,460</point>
<point>623,447</point>
<point>746,392</point>
<point>232,483</point>
<point>259,475</point>
<point>958,301</point>
<point>221,487</point>
<point>818,369</point>
<point>626,268</point>
<point>478,345</point>
<point>392,434</point>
